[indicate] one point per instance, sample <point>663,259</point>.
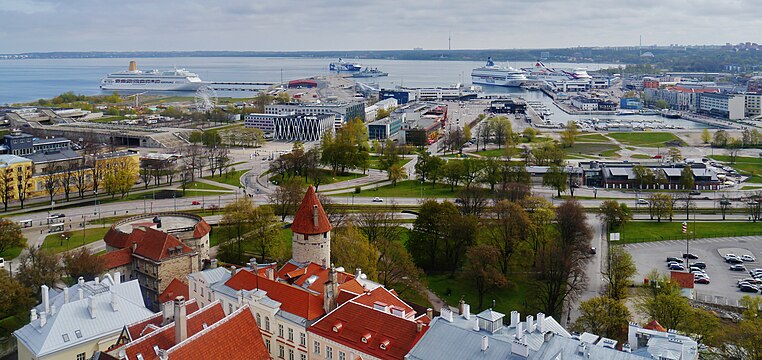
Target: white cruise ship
<point>496,75</point>
<point>555,75</point>
<point>154,80</point>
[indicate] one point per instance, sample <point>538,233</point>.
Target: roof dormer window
<point>384,344</point>
<point>365,338</point>
<point>337,327</point>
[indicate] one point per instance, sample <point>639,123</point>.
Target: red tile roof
<point>174,289</point>
<point>352,286</point>
<point>141,328</point>
<point>287,268</point>
<point>116,238</point>
<point>303,220</point>
<point>117,258</point>
<point>293,299</point>
<point>685,280</point>
<point>654,325</point>
<point>156,244</point>
<point>164,338</point>
<point>202,228</point>
<point>357,321</point>
<point>236,337</point>
<point>311,269</point>
<point>345,296</point>
<point>380,294</point>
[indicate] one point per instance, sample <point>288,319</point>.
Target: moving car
<point>737,267</point>
<point>748,258</point>
<point>378,199</point>
<point>695,192</point>
<point>196,202</point>
<point>2,263</point>
<point>57,215</point>
<point>642,202</point>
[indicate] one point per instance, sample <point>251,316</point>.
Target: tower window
<point>325,235</point>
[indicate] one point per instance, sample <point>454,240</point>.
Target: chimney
<point>358,272</point>
<point>181,320</point>
<point>520,349</point>
<point>270,273</point>
<point>547,336</point>
<point>418,326</point>
<point>91,306</point>
<point>239,296</point>
<point>460,306</point>
<point>446,314</point>
<point>315,215</point>
<point>476,324</point>
<point>632,336</point>
<point>134,246</point>
<point>430,313</point>
<point>45,298</point>
<point>66,295</point>
<point>43,319</point>
<point>514,318</point>
<point>530,324</point>
<point>122,353</point>
<point>485,343</point>
<point>52,310</point>
<point>114,301</point>
<point>167,312</point>
<point>466,311</point>
<point>330,290</point>
<point>32,315</point>
<point>97,280</point>
<point>253,263</point>
<point>232,270</point>
<point>519,330</point>
<point>117,278</point>
<point>541,322</point>
<point>80,281</point>
<point>81,293</point>
<point>213,264</point>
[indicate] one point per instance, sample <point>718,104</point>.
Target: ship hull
<point>496,81</point>
<point>188,86</point>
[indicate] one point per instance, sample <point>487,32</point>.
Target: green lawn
<point>411,188</point>
<point>376,164</point>
<point>512,297</point>
<point>592,138</point>
<point>492,152</point>
<point>645,231</point>
<point>641,156</point>
<point>746,165</point>
<point>751,187</point>
<point>11,253</point>
<point>204,186</point>
<point>646,139</point>
<point>234,178</point>
<point>610,153</point>
<point>57,244</point>
<point>327,178</point>
<point>596,149</point>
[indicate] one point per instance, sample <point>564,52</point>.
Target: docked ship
<point>554,75</point>
<point>343,66</point>
<point>369,73</point>
<point>496,75</point>
<point>153,80</point>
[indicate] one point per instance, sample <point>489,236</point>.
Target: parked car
<point>752,281</point>
<point>672,258</point>
<point>695,192</point>
<point>734,261</point>
<point>748,258</point>
<point>690,256</point>
<point>748,288</point>
<point>693,268</point>
<point>378,199</point>
<point>737,267</point>
<point>699,265</point>
<point>676,267</point>
<point>642,202</point>
<point>701,280</point>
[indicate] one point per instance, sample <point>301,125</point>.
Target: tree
<point>15,298</point>
<point>501,129</point>
<point>603,316</point>
<point>569,135</point>
<point>471,201</point>
<point>287,197</point>
<point>661,104</point>
<point>614,214</point>
<point>67,178</point>
<point>38,267</point>
<point>556,178</point>
<point>530,134</point>
<point>661,206</point>
<point>427,240</point>
<point>674,155</point>
<point>428,166</point>
<point>51,183</point>
<point>459,234</point>
<point>352,250</point>
<point>619,273</point>
<point>237,220</point>
<point>24,184</point>
<point>506,229</point>
<point>452,172</point>
<point>7,190</point>
<point>670,310</point>
<point>396,173</point>
<point>81,180</point>
<point>396,268</point>
<point>83,263</point>
<point>706,137</point>
<point>482,270</point>
<point>10,235</point>
<point>720,138</point>
<point>686,178</point>
<point>265,233</point>
<point>725,205</point>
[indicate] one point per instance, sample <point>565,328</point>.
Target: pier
<point>239,86</point>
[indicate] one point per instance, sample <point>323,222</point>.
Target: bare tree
<point>80,180</point>
<point>68,177</point>
<point>286,198</point>
<point>51,182</point>
<point>472,201</point>
<point>24,184</point>
<point>7,189</point>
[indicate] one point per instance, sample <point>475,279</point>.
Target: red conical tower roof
<point>311,219</point>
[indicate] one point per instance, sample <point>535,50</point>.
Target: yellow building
<point>15,173</point>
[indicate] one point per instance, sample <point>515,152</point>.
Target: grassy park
<point>646,231</point>
<point>232,178</point>
<point>646,139</point>
<point>411,188</point>
<point>57,242</point>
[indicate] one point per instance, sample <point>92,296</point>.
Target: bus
<point>25,223</point>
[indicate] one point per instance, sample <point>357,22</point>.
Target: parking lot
<point>722,287</point>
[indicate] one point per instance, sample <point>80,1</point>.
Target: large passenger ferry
<point>153,80</point>
<point>492,74</point>
<point>343,66</point>
<point>554,75</point>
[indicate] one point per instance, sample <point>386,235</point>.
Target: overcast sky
<point>260,25</point>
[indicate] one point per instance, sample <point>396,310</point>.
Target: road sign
<point>685,227</point>
<point>614,237</point>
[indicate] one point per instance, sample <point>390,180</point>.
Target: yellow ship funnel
<point>133,65</point>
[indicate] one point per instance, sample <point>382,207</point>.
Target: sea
<point>27,80</point>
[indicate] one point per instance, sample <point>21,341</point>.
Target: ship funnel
<point>133,65</point>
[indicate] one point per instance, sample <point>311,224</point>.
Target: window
<point>78,334</point>
<point>290,354</point>
<point>267,344</point>
<point>328,352</point>
<point>230,308</point>
<point>209,295</point>
<point>280,330</point>
<point>290,334</point>
<point>65,337</point>
<point>202,292</point>
<point>302,357</point>
<point>259,320</point>
<point>281,351</point>
<point>316,349</point>
<point>194,287</point>
<point>81,356</point>
<point>302,339</point>
<point>342,356</point>
<point>267,323</point>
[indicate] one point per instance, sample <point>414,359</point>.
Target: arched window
<point>259,320</point>
<point>267,323</point>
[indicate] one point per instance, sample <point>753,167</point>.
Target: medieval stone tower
<point>311,239</point>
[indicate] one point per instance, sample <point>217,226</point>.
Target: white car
<point>642,202</point>
<point>378,199</point>
<point>728,256</point>
<point>748,258</point>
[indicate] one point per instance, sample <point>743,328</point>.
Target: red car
<point>701,281</point>
<point>196,203</point>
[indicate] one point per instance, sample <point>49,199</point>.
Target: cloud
<point>82,25</point>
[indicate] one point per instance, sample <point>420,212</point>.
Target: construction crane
<point>137,99</point>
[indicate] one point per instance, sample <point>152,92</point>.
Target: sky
<point>290,25</point>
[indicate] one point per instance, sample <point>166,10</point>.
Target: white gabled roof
<point>74,317</point>
<point>212,276</point>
